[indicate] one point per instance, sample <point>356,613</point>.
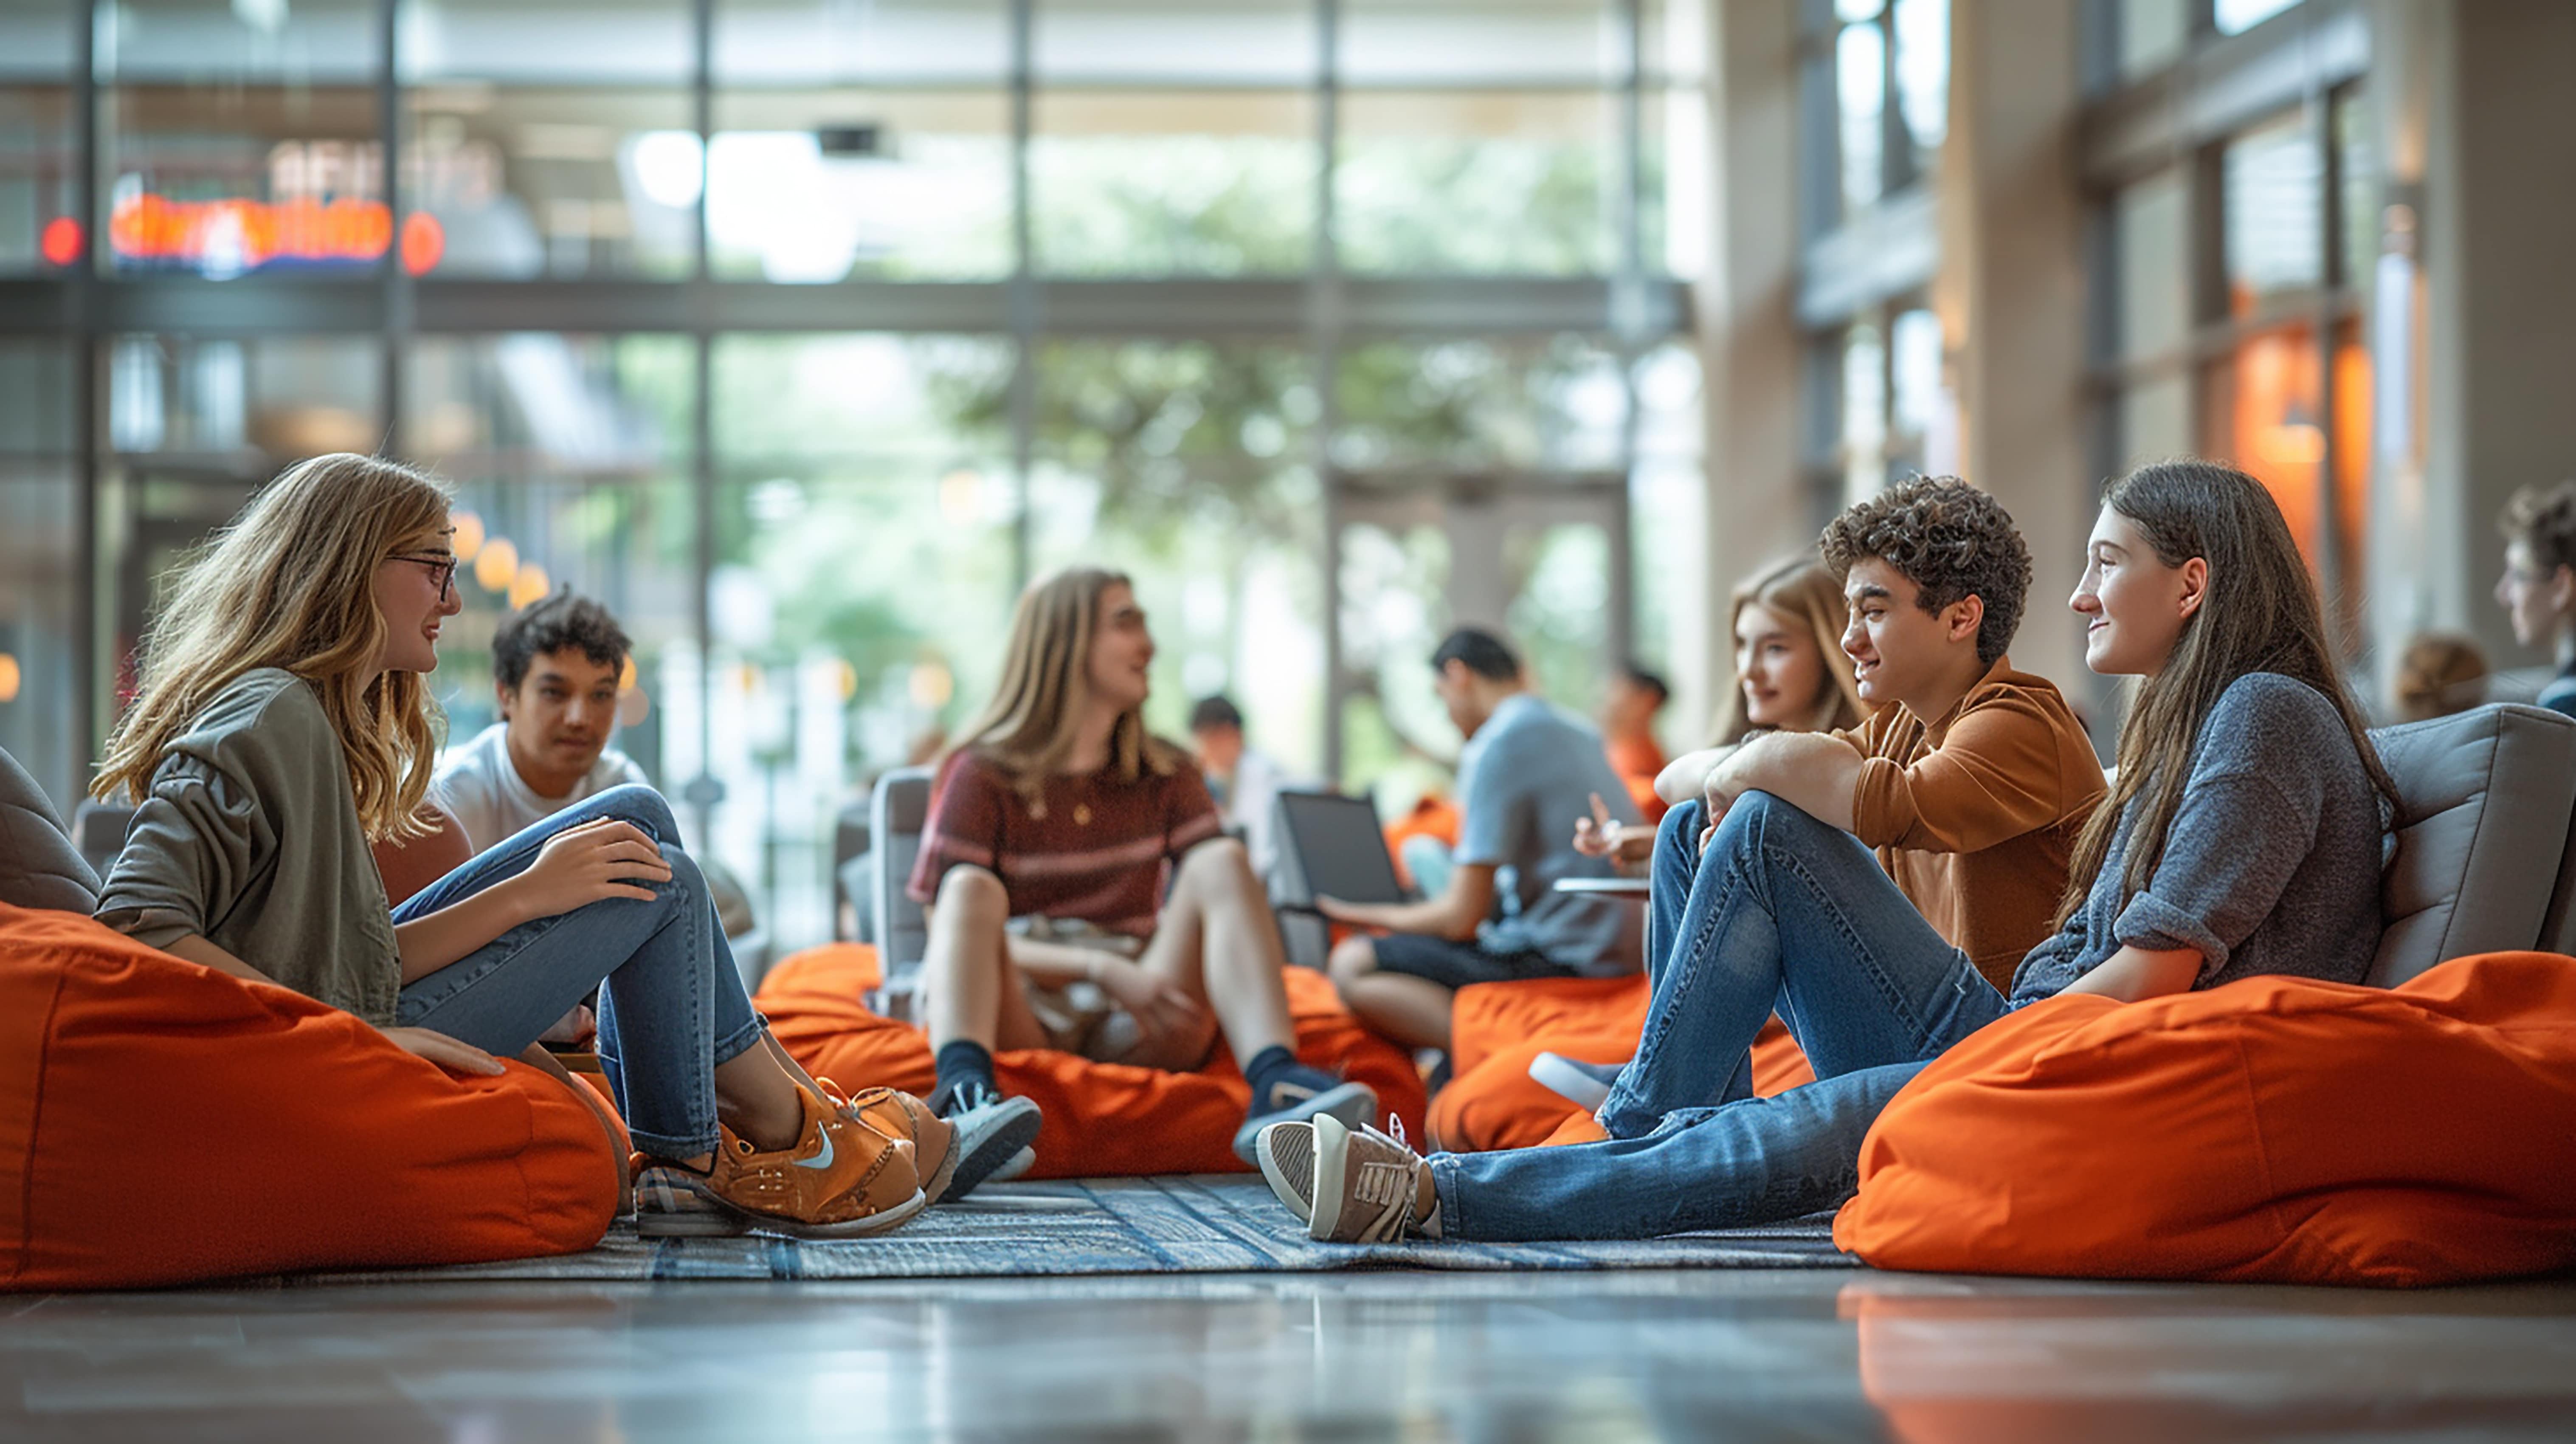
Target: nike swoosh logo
<point>819,1160</point>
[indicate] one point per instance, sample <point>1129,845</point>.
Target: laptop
<point>1333,846</point>
<point>1329,846</point>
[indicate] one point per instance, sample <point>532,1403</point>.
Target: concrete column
<point>1748,337</point>
<point>2011,298</point>
<point>2498,223</point>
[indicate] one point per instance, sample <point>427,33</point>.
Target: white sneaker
<point>1586,1085</point>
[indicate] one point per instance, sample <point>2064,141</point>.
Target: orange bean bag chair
<point>2275,1130</point>
<point>1102,1119</point>
<point>1495,1029</point>
<point>164,1123</point>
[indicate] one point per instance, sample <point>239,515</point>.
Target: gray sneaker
<point>990,1137</point>
<point>1019,1166</point>
<point>1366,1186</point>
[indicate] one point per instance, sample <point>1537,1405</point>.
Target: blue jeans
<point>1783,914</point>
<point>671,1006</point>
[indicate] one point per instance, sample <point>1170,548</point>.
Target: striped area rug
<point>1223,1223</point>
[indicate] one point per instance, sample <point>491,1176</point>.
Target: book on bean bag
<point>1102,1119</point>
<point>164,1123</point>
<point>1495,1029</point>
<point>2275,1130</point>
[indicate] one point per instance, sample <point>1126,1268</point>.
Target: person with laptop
<point>1528,774</point>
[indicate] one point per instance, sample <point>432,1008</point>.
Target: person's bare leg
<point>970,990</point>
<point>756,1096</point>
<point>1412,1011</point>
<point>1217,941</point>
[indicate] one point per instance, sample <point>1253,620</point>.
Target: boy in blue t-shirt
<point>1529,772</point>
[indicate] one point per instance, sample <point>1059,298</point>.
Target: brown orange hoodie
<point>1975,815</point>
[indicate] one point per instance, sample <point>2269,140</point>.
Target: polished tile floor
<point>1398,1356</point>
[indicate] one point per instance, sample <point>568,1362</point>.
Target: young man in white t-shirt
<point>555,667</point>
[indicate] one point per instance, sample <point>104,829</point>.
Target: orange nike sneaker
<point>935,1153</point>
<point>843,1178</point>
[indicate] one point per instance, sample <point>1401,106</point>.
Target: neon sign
<point>233,236</point>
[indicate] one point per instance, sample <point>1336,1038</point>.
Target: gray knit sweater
<point>2273,864</point>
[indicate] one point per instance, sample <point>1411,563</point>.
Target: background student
<point>1144,934</point>
<point>555,669</point>
<point>1791,675</point>
<point>2538,588</point>
<point>1528,774</point>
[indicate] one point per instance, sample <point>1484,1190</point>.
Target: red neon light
<point>423,242</point>
<point>250,233</point>
<point>61,241</point>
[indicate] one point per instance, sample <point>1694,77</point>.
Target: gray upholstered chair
<point>897,812</point>
<point>2485,799</point>
<point>38,868</point>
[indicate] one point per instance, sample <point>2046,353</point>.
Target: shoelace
<point>1398,1184</point>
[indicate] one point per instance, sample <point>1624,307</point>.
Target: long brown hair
<point>1799,588</point>
<point>290,583</point>
<point>1028,728</point>
<point>2260,614</point>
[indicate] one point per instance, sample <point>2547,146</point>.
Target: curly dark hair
<point>565,619</point>
<point>1950,540</point>
<point>2544,520</point>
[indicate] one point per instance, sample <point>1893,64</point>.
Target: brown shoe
<point>935,1153</point>
<point>843,1178</point>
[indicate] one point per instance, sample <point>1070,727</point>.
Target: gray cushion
<point>38,868</point>
<point>2484,801</point>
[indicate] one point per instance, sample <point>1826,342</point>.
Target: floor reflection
<point>1718,1355</point>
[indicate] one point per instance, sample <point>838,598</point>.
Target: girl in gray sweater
<point>283,727</point>
<point>2245,834</point>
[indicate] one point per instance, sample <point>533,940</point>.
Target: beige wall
<point>2499,204</point>
<point>1748,336</point>
<point>2011,297</point>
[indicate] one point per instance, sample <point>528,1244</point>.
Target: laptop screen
<point>1339,848</point>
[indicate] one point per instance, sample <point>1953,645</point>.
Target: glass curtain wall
<point>1875,81</point>
<point>803,333</point>
<point>2229,324</point>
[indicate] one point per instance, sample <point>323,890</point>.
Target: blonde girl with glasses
<point>283,726</point>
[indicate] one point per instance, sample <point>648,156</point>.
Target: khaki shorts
<point>1082,1019</point>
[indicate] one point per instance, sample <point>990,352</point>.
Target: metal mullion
<point>394,280</point>
<point>1323,330</point>
<point>703,792</point>
<point>1627,330</point>
<point>1895,142</point>
<point>1021,305</point>
<point>89,357</point>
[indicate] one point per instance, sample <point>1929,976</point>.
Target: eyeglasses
<point>443,568</point>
